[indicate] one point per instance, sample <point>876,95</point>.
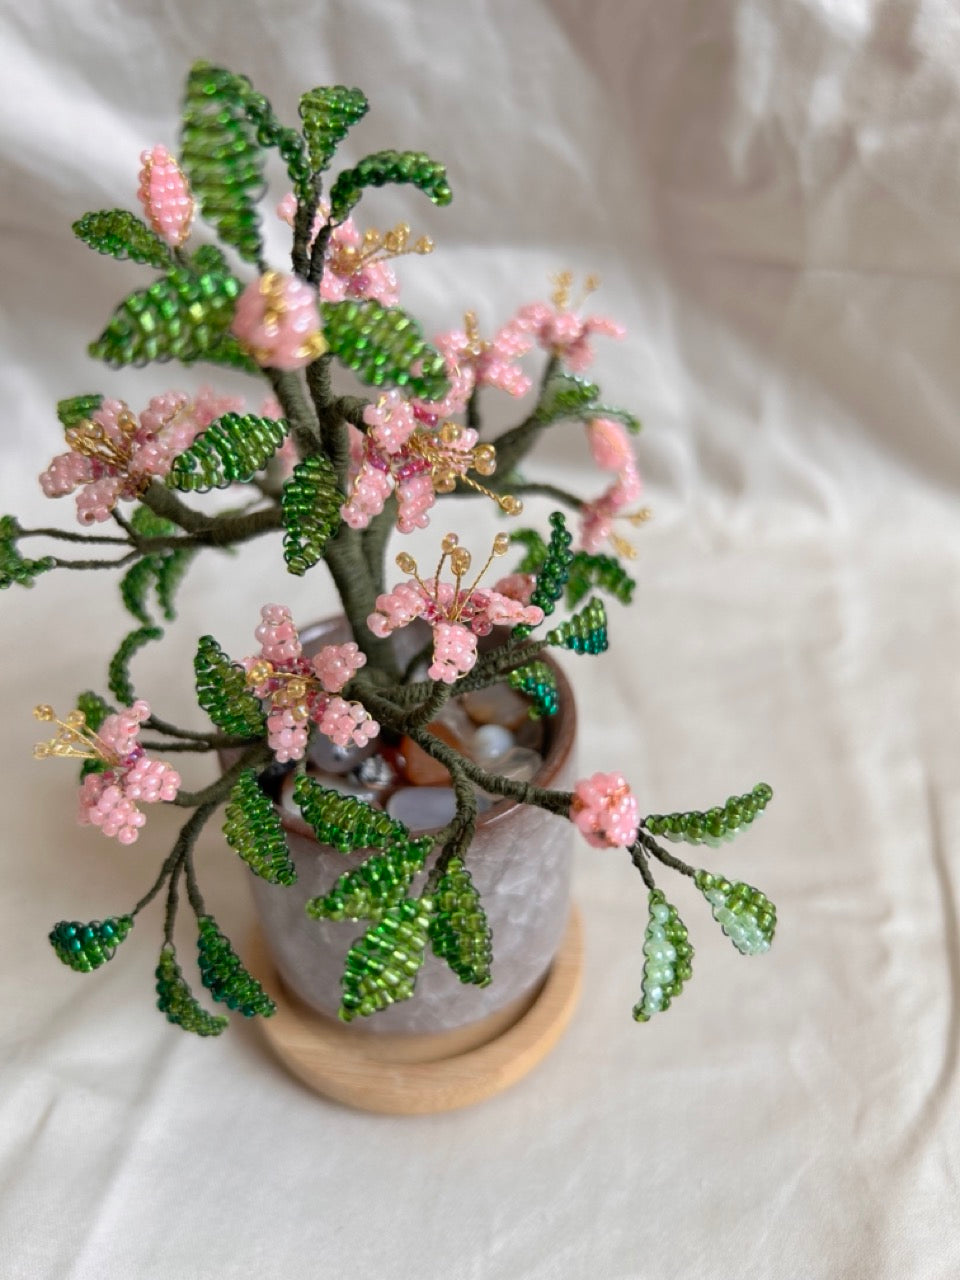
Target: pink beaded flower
<point>110,799</point>
<point>457,614</point>
<point>278,322</point>
<point>611,449</point>
<point>302,691</point>
<point>165,195</point>
<point>477,363</point>
<point>114,456</point>
<point>398,455</point>
<point>605,810</point>
<point>561,330</point>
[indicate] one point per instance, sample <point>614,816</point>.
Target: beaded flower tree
<point>336,474</point>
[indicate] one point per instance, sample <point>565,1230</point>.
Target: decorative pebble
<point>423,808</point>
<point>421,769</point>
<point>375,773</point>
<point>497,704</point>
<point>490,743</point>
<point>330,758</point>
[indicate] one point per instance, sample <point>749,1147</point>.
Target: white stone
<point>423,808</point>
<point>490,743</point>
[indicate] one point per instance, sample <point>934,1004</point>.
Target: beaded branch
<point>335,475</point>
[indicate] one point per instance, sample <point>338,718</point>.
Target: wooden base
<point>419,1074</point>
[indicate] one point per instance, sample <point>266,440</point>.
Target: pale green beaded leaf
<point>381,966</point>
<point>85,947</point>
<point>746,916</point>
<point>118,672</point>
<point>74,409</point>
<point>384,167</point>
<point>221,156</point>
<point>310,503</point>
<point>230,451</point>
<point>327,114</point>
<point>383,346</point>
<point>254,831</point>
<point>223,974</point>
<point>122,235</point>
<point>459,932</point>
<point>222,691</point>
<point>712,826</point>
<point>177,1001</point>
<point>667,958</point>
<point>585,632</point>
<point>378,883</point>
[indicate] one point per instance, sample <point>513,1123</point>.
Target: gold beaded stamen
<point>91,440</point>
<point>621,545</point>
<point>562,285</point>
<point>460,561</point>
<point>377,246</point>
<point>73,740</point>
<point>438,448</point>
<point>293,692</point>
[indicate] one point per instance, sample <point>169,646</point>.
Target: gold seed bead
<point>44,712</point>
<point>423,245</point>
<point>511,505</point>
<point>76,720</point>
<point>259,673</point>
<point>449,542</point>
<point>406,562</point>
<point>485,459</point>
<point>451,432</point>
<point>300,711</point>
<point>501,544</point>
<point>444,480</point>
<point>460,560</point>
<point>41,751</point>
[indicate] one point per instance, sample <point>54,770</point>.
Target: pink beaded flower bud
<point>278,321</point>
<point>605,810</point>
<point>165,195</point>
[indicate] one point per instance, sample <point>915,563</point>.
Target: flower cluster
<point>114,455</point>
<point>611,450</point>
<point>605,811</point>
<point>303,691</point>
<point>561,330</point>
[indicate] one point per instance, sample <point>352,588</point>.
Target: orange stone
<point>422,770</point>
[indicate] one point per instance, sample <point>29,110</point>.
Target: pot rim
<point>562,733</point>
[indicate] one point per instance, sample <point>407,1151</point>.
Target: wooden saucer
<point>419,1074</point>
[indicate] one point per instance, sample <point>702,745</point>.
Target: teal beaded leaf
<point>667,962</point>
<point>382,965</point>
<point>566,396</point>
<point>346,822</point>
<point>328,113</point>
<point>177,1001</point>
<point>224,976</point>
<point>379,883</point>
<point>383,346</point>
<point>222,691</point>
<point>310,504</point>
<point>746,916</point>
<point>230,451</point>
<point>382,167</point>
<point>711,826</point>
<point>122,235</point>
<point>118,672</point>
<point>85,947</point>
<point>74,409</point>
<point>181,316</point>
<point>585,632</point>
<point>221,156</point>
<point>459,932</point>
<point>254,831</point>
<point>588,572</point>
<point>537,681</point>
<point>14,568</point>
<point>553,573</point>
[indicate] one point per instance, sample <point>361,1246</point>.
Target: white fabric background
<point>771,192</point>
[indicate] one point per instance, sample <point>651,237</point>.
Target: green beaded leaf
<point>224,976</point>
<point>383,345</point>
<point>163,572</point>
<point>566,396</point>
<point>459,932</point>
<point>122,235</point>
<point>668,957</point>
<point>85,947</point>
<point>271,133</point>
<point>552,575</point>
<point>629,420</point>
<point>74,409</point>
<point>178,1002</point>
<point>14,568</point>
<point>382,167</point>
<point>118,673</point>
<point>135,586</point>
<point>222,691</point>
<point>587,572</point>
<point>181,316</point>
<point>254,831</point>
<point>746,916</point>
<point>310,503</point>
<point>95,711</point>
<point>535,549</point>
<point>379,883</point>
<point>230,451</point>
<point>711,826</point>
<point>537,681</point>
<point>346,822</point>
<point>585,632</point>
<point>170,573</point>
<point>328,113</point>
<point>221,156</point>
<point>382,965</point>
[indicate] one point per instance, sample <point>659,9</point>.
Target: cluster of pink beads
<point>494,364</point>
<point>375,280</point>
<point>605,810</point>
<point>454,652</point>
<point>517,586</point>
<point>277,320</point>
<point>341,721</point>
<point>109,800</point>
<point>611,449</point>
<point>565,333</point>
<point>165,195</point>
